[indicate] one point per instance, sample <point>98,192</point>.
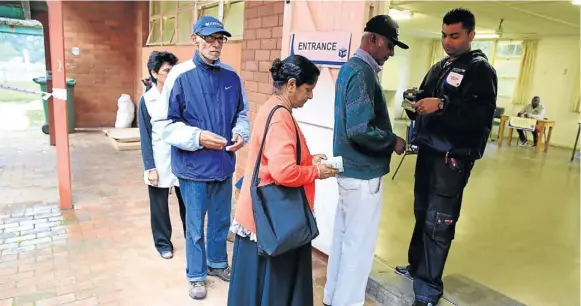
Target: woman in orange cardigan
<point>284,280</point>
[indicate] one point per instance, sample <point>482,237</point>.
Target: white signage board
<point>327,49</point>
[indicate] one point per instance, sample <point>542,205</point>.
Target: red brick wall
<point>142,28</point>
<point>106,32</point>
<point>262,44</point>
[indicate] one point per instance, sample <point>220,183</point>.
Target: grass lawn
<point>16,96</point>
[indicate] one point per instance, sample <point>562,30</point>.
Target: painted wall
<point>404,70</point>
<point>553,80</point>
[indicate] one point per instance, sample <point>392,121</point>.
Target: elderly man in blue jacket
<point>206,123</point>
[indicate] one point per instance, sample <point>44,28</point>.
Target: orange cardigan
<point>278,162</point>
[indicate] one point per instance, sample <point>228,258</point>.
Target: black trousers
<point>522,136</point>
<point>439,186</point>
<point>160,221</point>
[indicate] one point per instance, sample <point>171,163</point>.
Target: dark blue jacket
<point>200,97</point>
<point>468,87</point>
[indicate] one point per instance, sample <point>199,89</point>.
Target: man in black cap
<point>454,114</point>
<point>363,137</point>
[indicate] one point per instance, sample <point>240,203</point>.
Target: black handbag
<point>283,218</point>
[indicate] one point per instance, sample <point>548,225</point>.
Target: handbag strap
<point>254,181</point>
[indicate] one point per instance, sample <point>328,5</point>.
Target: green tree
<point>8,52</point>
<point>19,42</point>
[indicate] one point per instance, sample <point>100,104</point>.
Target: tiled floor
<point>100,253</point>
<point>519,229</point>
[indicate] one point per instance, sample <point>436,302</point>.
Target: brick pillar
<point>262,44</point>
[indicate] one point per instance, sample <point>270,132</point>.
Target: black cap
<point>385,26</point>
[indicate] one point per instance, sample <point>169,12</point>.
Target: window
<point>185,24</point>
<point>185,20</point>
<point>486,46</point>
<point>233,18</point>
<point>162,22</point>
<point>507,63</point>
<point>505,58</point>
<point>171,22</point>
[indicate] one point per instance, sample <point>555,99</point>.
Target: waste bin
<point>70,103</point>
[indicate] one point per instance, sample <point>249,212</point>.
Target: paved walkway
<point>100,253</point>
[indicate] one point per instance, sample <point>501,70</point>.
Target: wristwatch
<point>441,104</point>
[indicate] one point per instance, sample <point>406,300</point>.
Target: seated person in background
<point>534,110</point>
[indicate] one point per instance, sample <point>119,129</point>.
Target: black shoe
<point>223,274</point>
<point>325,304</point>
<point>422,303</point>
<point>404,271</point>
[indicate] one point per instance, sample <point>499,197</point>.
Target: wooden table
<point>544,124</point>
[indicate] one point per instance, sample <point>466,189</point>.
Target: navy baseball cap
<point>384,25</point>
<point>208,25</point>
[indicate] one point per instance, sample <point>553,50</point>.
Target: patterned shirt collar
<point>362,54</point>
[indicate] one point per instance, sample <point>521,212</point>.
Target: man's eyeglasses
<point>211,39</point>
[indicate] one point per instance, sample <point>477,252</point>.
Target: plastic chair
<point>498,112</point>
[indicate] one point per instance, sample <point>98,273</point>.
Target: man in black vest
<point>454,112</point>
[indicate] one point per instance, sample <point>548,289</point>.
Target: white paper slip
<point>335,162</point>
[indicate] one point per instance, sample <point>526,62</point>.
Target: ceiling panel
<point>521,18</point>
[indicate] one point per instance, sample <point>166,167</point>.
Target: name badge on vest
<point>454,79</point>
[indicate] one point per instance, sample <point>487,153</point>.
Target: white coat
<point>161,149</point>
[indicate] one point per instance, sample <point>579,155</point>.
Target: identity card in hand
<point>409,105</point>
<point>335,162</point>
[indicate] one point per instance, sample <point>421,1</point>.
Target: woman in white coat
<point>156,156</point>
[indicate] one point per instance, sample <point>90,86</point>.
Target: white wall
<point>404,70</point>
<point>553,80</point>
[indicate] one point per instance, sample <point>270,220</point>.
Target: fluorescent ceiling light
<point>486,36</point>
<point>401,15</point>
<point>576,2</point>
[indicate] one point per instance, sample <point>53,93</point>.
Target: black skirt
<point>285,280</point>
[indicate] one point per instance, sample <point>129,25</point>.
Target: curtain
<point>525,74</point>
<point>576,95</point>
<point>435,53</point>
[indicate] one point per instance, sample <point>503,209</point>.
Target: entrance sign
<point>328,49</point>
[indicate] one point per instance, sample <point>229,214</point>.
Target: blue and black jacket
<point>202,96</point>
<point>468,88</point>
